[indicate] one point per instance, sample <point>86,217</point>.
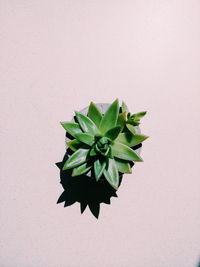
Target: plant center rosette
<point>103,145</point>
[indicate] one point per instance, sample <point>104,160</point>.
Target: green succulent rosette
<point>102,143</point>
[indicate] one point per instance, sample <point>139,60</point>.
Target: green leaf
<point>87,125</point>
<point>123,166</point>
<point>134,119</point>
<point>130,140</point>
<point>113,133</point>
<point>109,120</point>
<point>121,120</point>
<point>71,127</point>
<point>77,158</point>
<point>131,128</point>
<point>74,145</point>
<point>139,115</point>
<point>94,114</point>
<point>124,107</point>
<point>124,152</point>
<point>110,154</point>
<point>81,169</point>
<point>99,168</point>
<point>93,152</point>
<point>111,174</point>
<point>85,138</point>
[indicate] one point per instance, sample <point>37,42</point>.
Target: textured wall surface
<point>57,56</point>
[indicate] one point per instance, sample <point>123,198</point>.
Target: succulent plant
<point>102,143</point>
<point>128,120</point>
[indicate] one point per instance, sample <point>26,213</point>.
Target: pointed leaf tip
<point>123,166</point>
<point>131,140</point>
<point>86,124</point>
<point>139,115</point>
<point>77,158</point>
<point>109,119</point>
<point>71,127</point>
<point>124,107</point>
<point>94,114</point>
<point>111,174</point>
<point>122,151</point>
<point>99,168</point>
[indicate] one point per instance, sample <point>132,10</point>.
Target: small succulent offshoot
<point>131,120</point>
<point>103,142</point>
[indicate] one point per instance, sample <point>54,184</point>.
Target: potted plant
<point>101,148</point>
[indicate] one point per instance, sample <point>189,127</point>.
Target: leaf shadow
<point>84,189</point>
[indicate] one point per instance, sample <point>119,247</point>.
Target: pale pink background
<point>57,56</point>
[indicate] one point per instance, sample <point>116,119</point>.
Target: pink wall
<point>56,56</point>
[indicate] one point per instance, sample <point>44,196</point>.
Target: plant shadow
<point>84,189</point>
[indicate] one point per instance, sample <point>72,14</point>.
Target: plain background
<point>57,56</point>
